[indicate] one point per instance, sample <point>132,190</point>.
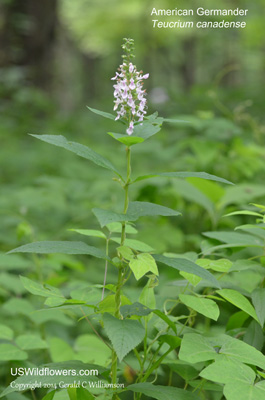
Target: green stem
<point>106,269</point>
<point>121,274</point>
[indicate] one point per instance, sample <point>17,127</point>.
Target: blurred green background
<point>56,57</point>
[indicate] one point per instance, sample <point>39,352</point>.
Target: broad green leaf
<point>196,348</point>
<point>57,377</point>
<point>89,348</point>
<point>235,239</point>
<point>185,265</point>
<point>40,290</point>
<point>50,395</point>
<point>102,113</point>
<point>55,301</point>
<point>124,334</point>
<point>6,332</point>
<point>146,129</point>
<point>138,209</point>
<point>31,342</point>
<point>236,390</point>
<point>88,294</point>
<point>202,175</point>
<point>134,244</point>
<point>185,370</point>
<point>162,392</point>
<point>125,252</point>
<point>142,264</point>
<point>60,350</point>
<point>236,320</point>
<point>221,265</point>
<point>60,247</point>
<point>10,352</point>
<point>242,194</point>
<point>203,306</point>
<point>258,299</point>
<point>135,210</point>
<point>238,300</point>
<point>226,370</point>
<point>116,227</point>
<point>125,139</point>
<point>79,149</point>
<point>172,341</point>
<point>254,335</point>
<point>83,394</point>
<point>135,309</point>
<point>166,319</point>
<point>106,217</point>
<point>108,305</point>
<point>147,296</point>
<point>191,278</point>
<point>90,232</point>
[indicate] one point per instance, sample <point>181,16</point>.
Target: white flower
<point>130,101</point>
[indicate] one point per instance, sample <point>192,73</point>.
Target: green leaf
<point>239,301</point>
<point>185,265</point>
<point>143,263</point>
<point>254,335</point>
<point>125,252</point>
<point>162,392</point>
<point>59,350</point>
<point>135,309</point>
<point>138,209</point>
<point>234,239</point>
<point>89,348</point>
<point>202,175</point>
<point>203,306</point>
<point>50,395</point>
<point>125,139</point>
<point>60,247</point>
<point>89,232</point>
<point>10,352</point>
<point>185,370</point>
<point>241,390</point>
<point>31,342</point>
<point>79,149</point>
<point>124,334</point>
<point>244,212</point>
<point>221,265</point>
<point>116,227</point>
<point>83,394</point>
<point>40,290</point>
<point>135,210</point>
<point>108,305</point>
<point>172,341</point>
<point>134,244</point>
<point>196,348</point>
<point>166,319</point>
<point>6,333</point>
<point>227,370</point>
<point>258,299</point>
<point>102,113</point>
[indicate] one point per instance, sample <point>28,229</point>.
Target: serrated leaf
<point>90,232</point>
<point>142,264</point>
<point>182,264</point>
<point>102,113</point>
<point>124,334</point>
<point>10,352</point>
<point>238,300</point>
<point>202,175</point>
<point>31,342</point>
<point>203,306</point>
<point>162,392</point>
<point>65,247</point>
<point>79,149</point>
<point>135,309</point>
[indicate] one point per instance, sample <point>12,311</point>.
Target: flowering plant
<point>138,333</point>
